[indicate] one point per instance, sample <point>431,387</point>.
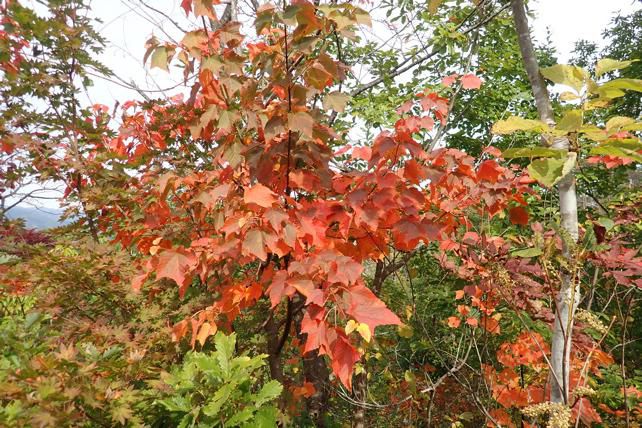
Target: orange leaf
<point>489,171</point>
<point>176,265</point>
<point>259,195</point>
<point>454,322</point>
<point>473,322</point>
<point>363,153</point>
<point>254,244</point>
<point>368,309</point>
<point>470,81</point>
<point>205,331</point>
<point>449,80</point>
<point>301,122</point>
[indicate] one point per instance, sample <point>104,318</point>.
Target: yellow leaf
<point>568,75</point>
<point>514,124</point>
<point>405,331</point>
<point>351,326</point>
<point>365,332</point>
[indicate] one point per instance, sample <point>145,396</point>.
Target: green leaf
<point>528,252</point>
<point>225,350</point>
<point>270,391</point>
<point>240,417</point>
<point>7,258</point>
<point>568,75</point>
<point>607,223</point>
<point>514,124</point>
<point>607,64</point>
<point>533,152</point>
<point>627,148</point>
<point>176,404</point>
<point>266,417</point>
<point>220,397</point>
<point>31,319</point>
<point>546,171</point>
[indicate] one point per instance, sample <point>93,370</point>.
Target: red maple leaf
<point>366,308</point>
<point>344,357</point>
<point>176,265</point>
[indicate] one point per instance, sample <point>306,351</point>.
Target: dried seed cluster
<point>559,415</point>
<point>591,320</point>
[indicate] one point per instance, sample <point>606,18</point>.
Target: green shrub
<point>219,389</point>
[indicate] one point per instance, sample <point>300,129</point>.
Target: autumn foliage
<point>242,207</point>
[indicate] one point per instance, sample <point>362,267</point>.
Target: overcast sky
<point>128,24</point>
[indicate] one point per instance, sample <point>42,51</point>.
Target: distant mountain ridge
<point>35,218</point>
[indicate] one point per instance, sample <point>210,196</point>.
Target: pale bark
<point>568,296</point>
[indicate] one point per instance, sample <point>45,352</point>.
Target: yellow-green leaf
<point>434,5</point>
<point>568,75</point>
<point>160,58</point>
<point>362,17</point>
<point>571,121</point>
<point>618,122</point>
<point>533,152</point>
<point>622,85</point>
<point>569,96</point>
<point>627,148</point>
<point>528,252</point>
<point>514,124</point>
<point>607,64</point>
<point>551,170</point>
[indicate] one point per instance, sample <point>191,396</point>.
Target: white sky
<point>126,28</point>
<point>127,24</point>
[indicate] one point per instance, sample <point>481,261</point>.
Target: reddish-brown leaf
<point>518,215</point>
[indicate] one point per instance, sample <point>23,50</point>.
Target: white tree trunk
<point>568,296</point>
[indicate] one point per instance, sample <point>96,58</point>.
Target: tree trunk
<point>274,355</point>
<point>569,294</point>
<point>315,371</point>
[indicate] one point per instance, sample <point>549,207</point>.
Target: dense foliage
<point>284,244</point>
